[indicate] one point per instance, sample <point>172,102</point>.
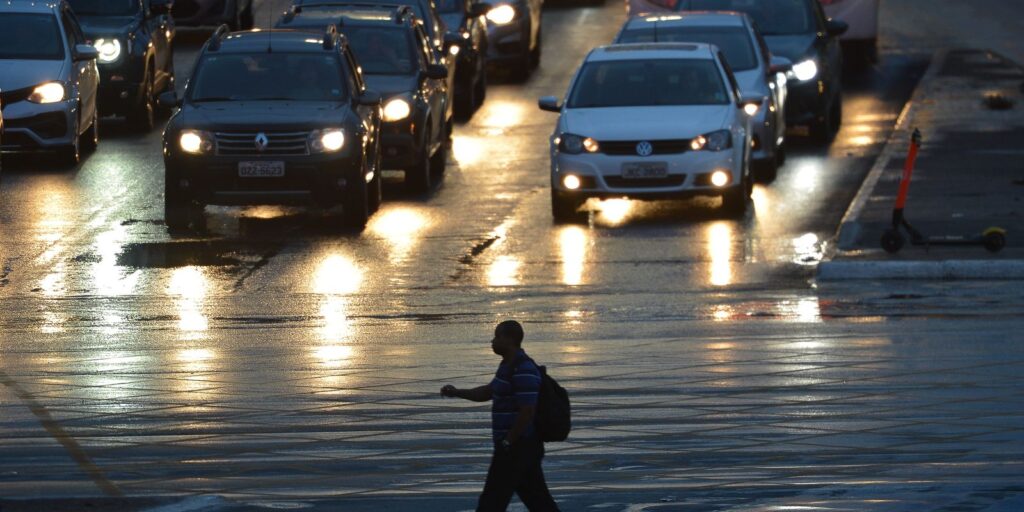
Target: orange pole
<point>908,169</point>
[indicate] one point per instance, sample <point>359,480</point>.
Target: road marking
<point>62,437</point>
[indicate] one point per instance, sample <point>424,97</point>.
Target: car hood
<point>106,26</point>
<point>264,115</point>
<point>752,82</point>
<point>633,123</point>
<point>391,85</point>
<point>792,47</point>
<point>19,74</point>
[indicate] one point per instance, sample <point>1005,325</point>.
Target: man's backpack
<point>553,419</point>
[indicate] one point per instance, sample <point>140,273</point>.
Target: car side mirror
<point>779,65</point>
<point>479,9</point>
<point>168,100</point>
<point>836,28</point>
<point>86,52</point>
<point>549,104</point>
<point>160,7</point>
<point>436,72</point>
<point>371,98</point>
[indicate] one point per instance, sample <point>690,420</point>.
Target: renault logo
<point>261,142</point>
<point>644,148</point>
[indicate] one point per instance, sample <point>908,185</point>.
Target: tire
<point>565,208</point>
<point>822,129</point>
<point>91,138</point>
<point>180,211</point>
<point>356,211</point>
<point>417,178</point>
<point>376,186</point>
<point>481,85</point>
<point>766,171</point>
<point>736,199</point>
<point>465,101</point>
<point>439,161</point>
<point>144,115</point>
<point>166,111</point>
<point>71,155</point>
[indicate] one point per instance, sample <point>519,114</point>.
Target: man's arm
<point>523,420</point>
<point>477,394</point>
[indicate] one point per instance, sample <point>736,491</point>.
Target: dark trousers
<point>517,470</point>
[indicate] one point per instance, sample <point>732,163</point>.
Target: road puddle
<point>197,253</point>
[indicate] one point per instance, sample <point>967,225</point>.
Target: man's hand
<point>448,391</point>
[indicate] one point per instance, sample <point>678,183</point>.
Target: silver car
<point>758,73</point>
<point>49,80</point>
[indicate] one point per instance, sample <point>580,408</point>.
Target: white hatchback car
<point>651,121</point>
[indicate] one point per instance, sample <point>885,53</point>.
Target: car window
<point>734,41</point>
<point>355,78</point>
<point>426,51</point>
<point>74,36</point>
<point>30,36</point>
<point>256,77</point>
<point>777,17</point>
<point>636,83</point>
<point>382,50</point>
<point>105,7</point>
<point>730,76</point>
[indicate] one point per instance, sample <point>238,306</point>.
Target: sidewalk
<point>969,176</point>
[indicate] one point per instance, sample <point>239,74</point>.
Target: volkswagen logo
<point>261,142</point>
<point>644,148</point>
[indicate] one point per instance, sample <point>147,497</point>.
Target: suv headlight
<point>502,14</point>
<point>576,144</point>
<point>110,49</point>
<point>714,141</point>
<point>195,142</point>
<point>328,140</point>
<point>805,70</point>
<point>50,92</point>
<point>397,109</point>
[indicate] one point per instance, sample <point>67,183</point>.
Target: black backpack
<point>553,419</point>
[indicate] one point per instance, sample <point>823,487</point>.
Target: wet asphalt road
<point>276,360</point>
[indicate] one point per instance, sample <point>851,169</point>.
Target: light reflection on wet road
<point>268,356</point>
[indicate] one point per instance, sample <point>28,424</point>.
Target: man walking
<point>518,451</point>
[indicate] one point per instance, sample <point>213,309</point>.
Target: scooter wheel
<point>995,241</point>
<point>892,241</point>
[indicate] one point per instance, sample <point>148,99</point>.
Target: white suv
<point>651,121</point>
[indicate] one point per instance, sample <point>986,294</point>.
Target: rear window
<point>733,41</point>
<point>30,36</point>
<point>774,17</point>
<point>382,51</point>
<point>641,83</point>
<point>258,77</point>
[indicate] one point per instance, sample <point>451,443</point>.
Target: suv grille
<point>628,147</point>
<point>278,144</point>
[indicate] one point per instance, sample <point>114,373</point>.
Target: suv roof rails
<point>330,34</point>
<point>400,12</point>
<point>214,44</point>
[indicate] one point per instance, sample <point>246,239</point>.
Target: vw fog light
<point>502,14</point>
<point>571,182</point>
<point>720,178</point>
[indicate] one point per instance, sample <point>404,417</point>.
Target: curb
<point>925,270</point>
<point>849,227</point>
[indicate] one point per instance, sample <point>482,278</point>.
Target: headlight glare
<point>720,178</point>
<point>328,141</point>
<point>397,109</point>
<point>50,92</point>
<point>195,142</point>
<point>805,70</point>
<point>591,145</point>
<point>502,14</point>
<point>110,49</point>
<point>714,141</point>
<point>571,182</point>
<point>751,109</point>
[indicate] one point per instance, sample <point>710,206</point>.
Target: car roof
<point>640,51</point>
<point>258,40</point>
<point>342,15</point>
<point>689,19</point>
<point>28,6</point>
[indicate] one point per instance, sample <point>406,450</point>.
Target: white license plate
<point>641,170</point>
<point>260,169</point>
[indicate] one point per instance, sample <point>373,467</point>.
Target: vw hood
<point>19,74</point>
<point>792,47</point>
<point>636,123</point>
<point>264,115</point>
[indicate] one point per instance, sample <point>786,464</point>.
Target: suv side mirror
<point>371,98</point>
<point>160,7</point>
<point>86,52</point>
<point>436,72</point>
<point>479,9</point>
<point>549,104</point>
<point>836,28</point>
<point>168,100</point>
<point>779,65</point>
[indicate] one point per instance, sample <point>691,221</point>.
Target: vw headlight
<point>195,142</point>
<point>805,70</point>
<point>110,49</point>
<point>328,140</point>
<point>576,144</point>
<point>502,14</point>
<point>714,141</point>
<point>50,92</point>
<point>397,109</point>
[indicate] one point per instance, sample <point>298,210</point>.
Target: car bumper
<point>317,180</point>
<point>33,127</point>
<point>120,87</point>
<point>508,42</point>
<point>688,175</point>
<point>400,148</point>
<point>806,104</point>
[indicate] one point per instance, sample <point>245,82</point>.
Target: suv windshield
<point>644,83</point>
<point>773,18</point>
<point>257,77</point>
<point>104,7</point>
<point>30,37</point>
<point>733,41</point>
<point>383,51</point>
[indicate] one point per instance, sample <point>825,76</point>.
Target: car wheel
<point>481,84</point>
<point>161,110</point>
<point>465,100</point>
<point>180,211</point>
<point>376,185</point>
<point>439,161</point>
<point>91,138</point>
<point>71,155</point>
<point>144,116</point>
<point>565,208</point>
<point>837,115</point>
<point>356,210</point>
<point>821,129</point>
<point>766,170</point>
<point>417,178</point>
<point>736,199</point>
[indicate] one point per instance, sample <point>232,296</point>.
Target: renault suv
<point>244,136</point>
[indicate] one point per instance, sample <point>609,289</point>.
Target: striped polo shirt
<point>514,385</point>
